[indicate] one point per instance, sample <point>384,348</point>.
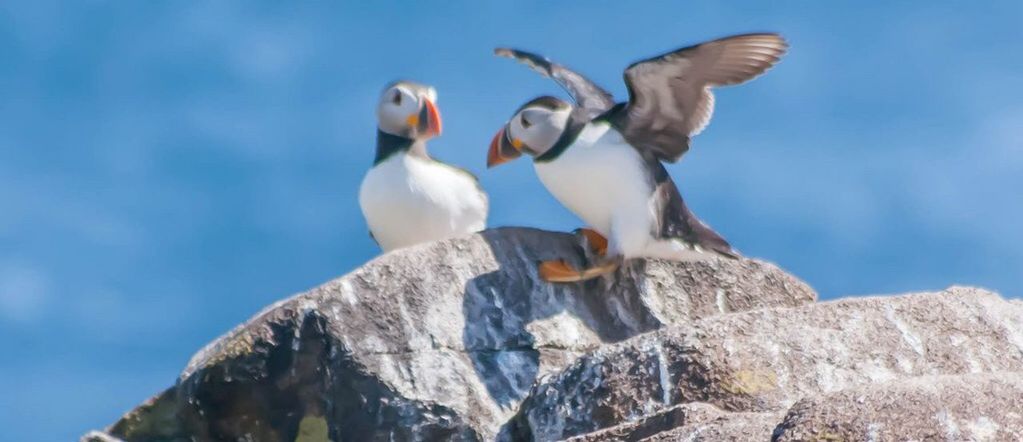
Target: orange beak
<point>501,150</point>
<point>430,122</point>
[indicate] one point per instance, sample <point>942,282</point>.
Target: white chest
<point>603,181</point>
<point>409,200</point>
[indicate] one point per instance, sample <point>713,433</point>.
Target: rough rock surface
<point>764,361</point>
<point>460,340</point>
<point>730,427</point>
<point>437,342</point>
<point>968,407</point>
<point>695,421</point>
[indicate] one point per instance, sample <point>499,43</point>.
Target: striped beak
<point>427,122</point>
<point>503,150</point>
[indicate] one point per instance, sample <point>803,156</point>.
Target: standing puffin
<point>603,160</point>
<point>407,197</point>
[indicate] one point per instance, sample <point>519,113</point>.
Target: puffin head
<point>534,129</point>
<point>406,109</point>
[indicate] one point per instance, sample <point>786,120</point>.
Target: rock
<point>99,436</point>
<point>730,427</point>
<point>460,340</point>
<point>692,421</point>
<point>975,407</point>
<point>766,360</point>
<point>436,342</point>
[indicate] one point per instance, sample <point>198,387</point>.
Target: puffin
<point>407,197</point>
<point>604,160</point>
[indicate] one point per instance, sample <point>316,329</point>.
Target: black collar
<point>388,145</point>
<point>577,120</point>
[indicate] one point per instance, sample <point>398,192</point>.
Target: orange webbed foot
<point>597,242</point>
<point>559,271</point>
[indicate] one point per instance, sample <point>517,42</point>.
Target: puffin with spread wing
<point>603,160</point>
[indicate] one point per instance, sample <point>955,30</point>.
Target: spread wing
<point>669,95</point>
<point>594,99</point>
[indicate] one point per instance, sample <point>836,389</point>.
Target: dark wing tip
<point>519,55</point>
<point>774,43</point>
<point>770,38</point>
<point>744,57</point>
<point>535,62</point>
<point>767,40</point>
<point>586,93</point>
<point>768,35</point>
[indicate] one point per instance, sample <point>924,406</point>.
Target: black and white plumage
<point>670,98</point>
<point>603,160</point>
<point>407,197</point>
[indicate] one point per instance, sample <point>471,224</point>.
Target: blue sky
<point>168,169</point>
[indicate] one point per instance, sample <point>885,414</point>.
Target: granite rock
<point>439,341</point>
<point>975,407</point>
<point>766,360</point>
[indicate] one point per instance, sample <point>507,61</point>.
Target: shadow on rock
<point>517,324</point>
<point>441,341</point>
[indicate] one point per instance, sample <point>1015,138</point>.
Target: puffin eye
<point>525,122</point>
<point>397,97</point>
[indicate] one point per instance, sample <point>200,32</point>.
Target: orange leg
<point>560,271</point>
<point>596,241</point>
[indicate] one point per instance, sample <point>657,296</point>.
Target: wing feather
<point>670,98</point>
<point>594,99</point>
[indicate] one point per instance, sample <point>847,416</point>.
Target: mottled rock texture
<point>460,340</point>
<point>766,360</point>
<point>966,407</point>
<point>441,341</point>
<point>694,421</point>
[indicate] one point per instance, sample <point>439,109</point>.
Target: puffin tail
<point>675,220</point>
<point>708,239</point>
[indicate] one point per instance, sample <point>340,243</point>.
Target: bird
<point>604,160</point>
<point>407,197</point>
